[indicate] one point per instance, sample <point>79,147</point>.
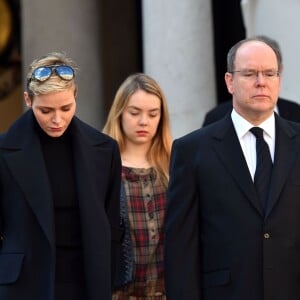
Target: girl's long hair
<point>160,149</point>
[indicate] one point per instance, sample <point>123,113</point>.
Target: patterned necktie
<point>264,165</point>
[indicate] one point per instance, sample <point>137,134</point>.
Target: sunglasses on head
<point>42,74</point>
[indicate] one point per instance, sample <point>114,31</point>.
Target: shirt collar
<point>242,126</point>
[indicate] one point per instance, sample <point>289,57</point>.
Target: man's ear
<point>228,81</point>
<point>27,99</point>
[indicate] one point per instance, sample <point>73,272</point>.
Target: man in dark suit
<point>285,108</point>
<point>223,240</point>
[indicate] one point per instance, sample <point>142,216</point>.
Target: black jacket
<point>27,250</point>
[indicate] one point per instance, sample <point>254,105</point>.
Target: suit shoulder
<point>288,103</point>
<point>206,134</point>
<point>217,113</point>
<point>294,125</point>
<point>196,136</point>
<point>291,128</point>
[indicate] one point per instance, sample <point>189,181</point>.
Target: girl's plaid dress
<point>146,206</point>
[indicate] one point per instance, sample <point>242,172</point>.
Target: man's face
<point>255,87</point>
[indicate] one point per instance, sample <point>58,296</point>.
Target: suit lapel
<point>286,150</point>
<point>229,150</point>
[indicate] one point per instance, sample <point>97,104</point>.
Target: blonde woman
<point>139,121</point>
<point>59,215</point>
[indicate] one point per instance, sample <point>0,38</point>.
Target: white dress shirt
<point>248,140</point>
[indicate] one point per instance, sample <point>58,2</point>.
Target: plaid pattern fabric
<point>146,205</point>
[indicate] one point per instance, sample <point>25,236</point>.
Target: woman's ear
<point>27,99</point>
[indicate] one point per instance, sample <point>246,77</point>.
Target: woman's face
<point>141,117</point>
<point>53,111</point>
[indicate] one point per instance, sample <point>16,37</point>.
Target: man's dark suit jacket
<point>27,251</point>
<point>219,245</point>
<point>286,109</point>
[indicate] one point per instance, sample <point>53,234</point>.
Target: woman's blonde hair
<point>160,149</point>
<point>54,83</point>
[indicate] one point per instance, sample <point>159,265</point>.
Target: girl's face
<point>141,117</point>
<point>53,111</point>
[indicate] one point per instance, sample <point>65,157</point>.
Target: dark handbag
<point>125,265</point>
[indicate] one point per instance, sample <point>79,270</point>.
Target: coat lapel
<point>229,150</point>
<point>91,159</point>
<point>86,169</point>
<point>23,149</point>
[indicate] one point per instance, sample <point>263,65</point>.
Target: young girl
<point>139,121</point>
